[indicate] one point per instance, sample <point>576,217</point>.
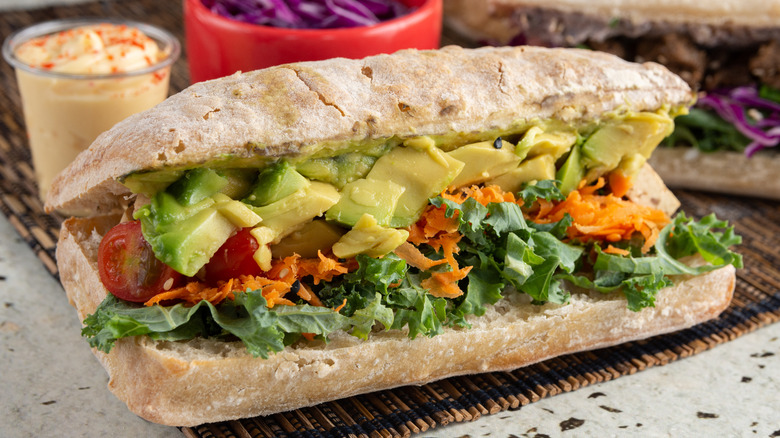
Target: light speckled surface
<point>51,383</point>
<point>53,386</point>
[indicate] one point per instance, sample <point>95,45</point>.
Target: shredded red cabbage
<point>308,14</point>
<point>755,116</point>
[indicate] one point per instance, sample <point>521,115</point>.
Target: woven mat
<point>408,410</point>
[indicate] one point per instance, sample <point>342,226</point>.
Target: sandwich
<point>728,51</point>
<point>284,237</point>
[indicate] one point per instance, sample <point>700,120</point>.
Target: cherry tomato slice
<point>128,267</point>
<point>234,258</point>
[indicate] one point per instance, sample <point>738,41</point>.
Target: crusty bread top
<point>756,13</point>
<point>294,108</point>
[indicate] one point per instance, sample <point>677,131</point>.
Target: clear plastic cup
<point>65,112</point>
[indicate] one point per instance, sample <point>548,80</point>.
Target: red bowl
<point>217,46</point>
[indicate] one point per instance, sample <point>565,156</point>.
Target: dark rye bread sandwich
<point>284,237</point>
<point>729,51</point>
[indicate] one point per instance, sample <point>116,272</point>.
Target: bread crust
<point>199,381</point>
<point>721,172</point>
<point>300,108</point>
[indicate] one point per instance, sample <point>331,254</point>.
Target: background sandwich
<point>442,259</point>
<point>727,50</point>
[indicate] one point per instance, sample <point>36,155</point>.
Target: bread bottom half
<point>201,381</point>
<point>723,172</point>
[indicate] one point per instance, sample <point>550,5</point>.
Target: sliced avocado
<point>484,161</point>
<point>535,169</point>
<point>190,244</point>
<point>184,238</point>
<point>527,142</point>
<point>286,214</point>
<point>197,185</point>
<point>571,173</point>
<point>150,183</point>
<point>238,213</point>
<point>319,169</point>
<point>239,182</point>
<point>620,137</point>
<point>555,143</point>
<point>274,183</point>
<point>317,235</point>
<point>369,238</point>
<point>423,172</point>
<point>341,169</point>
<point>377,198</point>
<point>632,163</point>
<point>264,236</point>
<point>166,209</point>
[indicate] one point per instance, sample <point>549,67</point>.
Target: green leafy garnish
<point>707,132</point>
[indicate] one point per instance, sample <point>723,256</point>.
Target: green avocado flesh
<point>194,211</point>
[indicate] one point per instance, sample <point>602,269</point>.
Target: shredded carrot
<point>441,233</point>
<point>617,251</point>
<point>448,243</point>
<point>275,283</point>
<point>195,291</point>
<point>308,336</point>
<point>432,222</point>
<point>412,255</point>
<point>307,295</point>
<point>620,183</point>
<point>445,284</point>
<point>545,207</point>
<point>341,306</point>
<point>285,269</point>
<point>488,194</point>
<point>605,218</point>
<point>322,269</point>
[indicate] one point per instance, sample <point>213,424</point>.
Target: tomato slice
<point>128,267</point>
<point>234,258</point>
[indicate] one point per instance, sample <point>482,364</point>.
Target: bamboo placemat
<point>404,411</point>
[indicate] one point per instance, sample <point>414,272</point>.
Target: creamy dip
<point>80,84</point>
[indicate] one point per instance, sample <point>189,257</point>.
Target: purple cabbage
<point>756,117</point>
<point>308,14</point>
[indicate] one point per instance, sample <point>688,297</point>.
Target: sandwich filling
<point>414,234</point>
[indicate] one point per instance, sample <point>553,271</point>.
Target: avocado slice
<point>240,181</point>
<point>317,235</point>
<point>369,238</point>
<point>238,213</point>
<point>483,161</point>
<point>554,143</point>
<point>571,173</point>
<point>617,138</point>
<point>545,140</point>
<point>274,183</point>
<point>292,211</point>
<point>184,237</point>
<point>377,198</point>
<point>534,169</point>
<point>424,172</point>
<point>165,209</point>
<point>150,183</point>
<point>197,185</point>
<point>190,244</point>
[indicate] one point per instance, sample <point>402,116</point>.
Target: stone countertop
<point>53,386</point>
